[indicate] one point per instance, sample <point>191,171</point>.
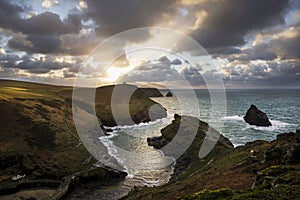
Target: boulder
<point>169,94</point>
<point>256,117</point>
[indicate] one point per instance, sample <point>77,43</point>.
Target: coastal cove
<point>54,163</point>
<point>134,138</point>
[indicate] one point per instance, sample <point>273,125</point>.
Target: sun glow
<point>113,73</point>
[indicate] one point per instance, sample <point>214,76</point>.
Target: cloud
<point>74,44</point>
<point>68,74</point>
<point>116,16</point>
<point>227,22</point>
<point>167,61</point>
<point>176,61</point>
<point>192,75</point>
<point>161,70</point>
<point>285,47</point>
<point>46,23</point>
<point>149,71</point>
<point>9,13</point>
<point>36,43</point>
<point>40,33</point>
<point>284,73</point>
<point>41,65</point>
<point>68,44</point>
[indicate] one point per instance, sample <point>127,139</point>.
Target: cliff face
<point>271,169</point>
<point>186,125</point>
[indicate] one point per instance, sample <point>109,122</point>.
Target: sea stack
<point>254,116</point>
<point>169,94</point>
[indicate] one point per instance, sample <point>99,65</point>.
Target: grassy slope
<point>35,136</point>
<point>230,173</point>
<point>38,137</point>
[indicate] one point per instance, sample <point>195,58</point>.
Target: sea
<point>147,166</point>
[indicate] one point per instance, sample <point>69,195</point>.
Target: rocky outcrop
<point>169,94</point>
<point>187,125</point>
<point>99,175</point>
<point>256,117</point>
<point>151,92</point>
<point>67,184</point>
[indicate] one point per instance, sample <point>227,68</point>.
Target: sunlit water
<point>147,166</point>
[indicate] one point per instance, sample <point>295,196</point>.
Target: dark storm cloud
<point>281,47</point>
<point>287,48</point>
<point>35,66</point>
<point>36,44</point>
<point>9,13</point>
<point>228,21</point>
<point>261,52</point>
<point>118,15</point>
<point>40,33</point>
<point>49,23</point>
<point>271,73</point>
<point>44,43</point>
<point>46,23</point>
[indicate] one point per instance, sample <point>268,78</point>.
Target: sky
<point>251,43</point>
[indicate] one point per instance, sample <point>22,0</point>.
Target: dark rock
<point>254,116</point>
<point>273,156</point>
<point>187,125</point>
<point>286,136</point>
<point>169,94</point>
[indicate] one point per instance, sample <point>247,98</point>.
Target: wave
<point>111,149</point>
<point>276,126</point>
<point>116,128</point>
<point>234,117</point>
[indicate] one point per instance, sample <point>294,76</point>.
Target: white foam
<point>166,119</point>
<point>234,117</point>
<point>151,183</point>
<point>111,149</point>
<point>276,125</point>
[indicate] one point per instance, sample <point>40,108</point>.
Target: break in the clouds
<point>253,43</point>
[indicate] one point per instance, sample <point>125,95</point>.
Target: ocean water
<point>148,166</point>
<point>281,106</point>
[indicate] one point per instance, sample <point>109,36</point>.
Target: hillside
<point>38,137</point>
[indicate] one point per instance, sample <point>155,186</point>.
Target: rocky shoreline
<point>256,170</point>
<point>190,155</point>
